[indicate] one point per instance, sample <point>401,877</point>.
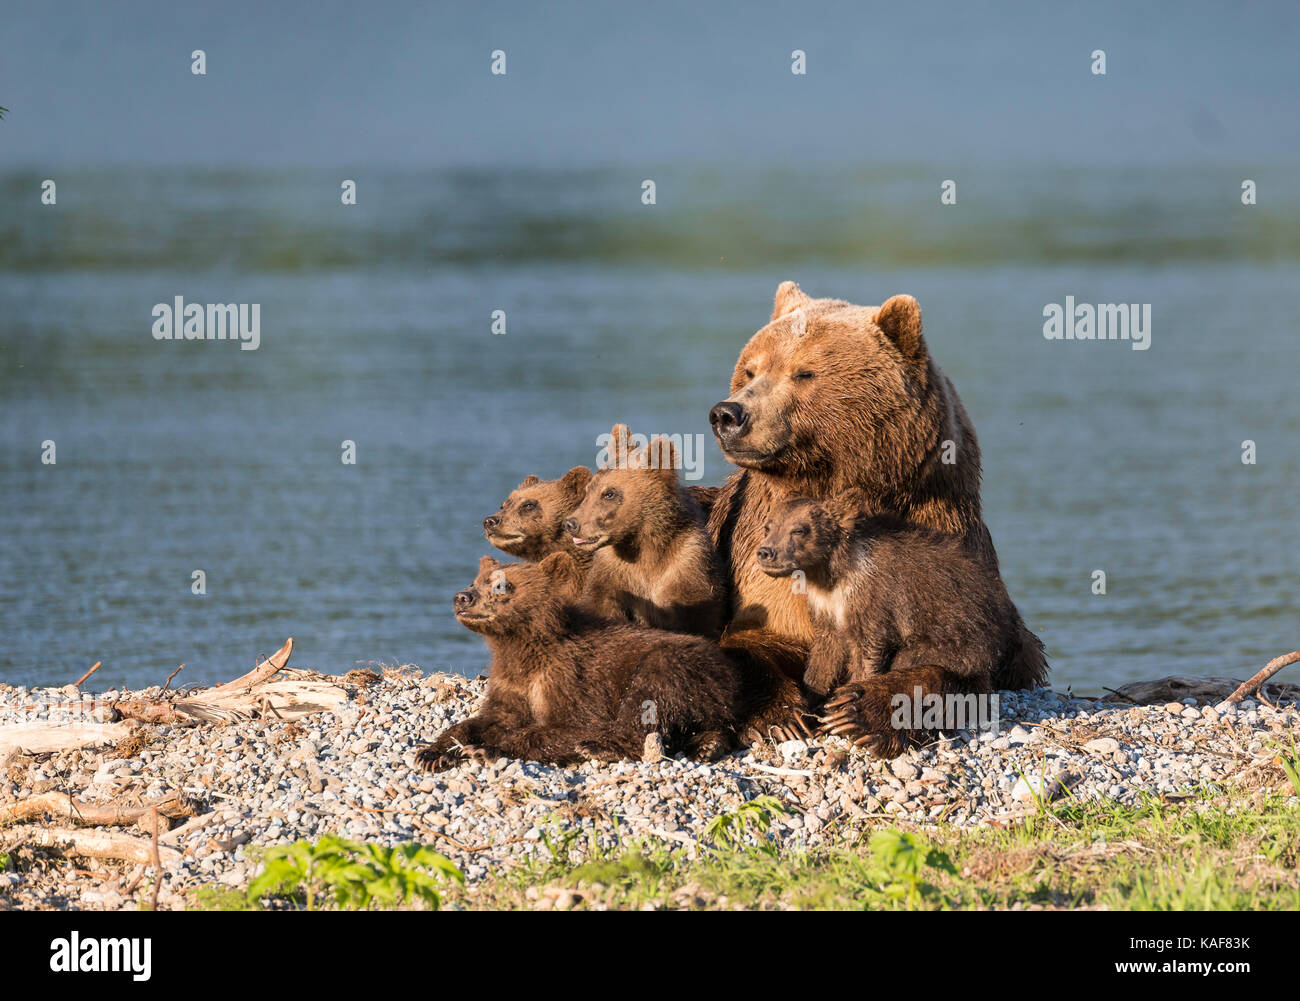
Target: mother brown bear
<point>829,396</point>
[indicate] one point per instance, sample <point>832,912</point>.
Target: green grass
<point>1210,853</point>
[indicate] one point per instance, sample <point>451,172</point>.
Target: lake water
<point>375,328</point>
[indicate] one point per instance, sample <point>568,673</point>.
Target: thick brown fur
<point>566,686</point>
<point>888,598</point>
<point>831,396</point>
<point>653,561</point>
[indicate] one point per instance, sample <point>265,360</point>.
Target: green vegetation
<point>1215,852</point>
<point>351,875</point>
<point>1210,853</point>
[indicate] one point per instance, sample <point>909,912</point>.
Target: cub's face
<point>800,537</point>
<point>516,597</point>
<point>529,524</point>
<point>627,493</point>
<point>610,511</point>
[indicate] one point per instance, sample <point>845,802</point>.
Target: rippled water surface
<point>375,328</point>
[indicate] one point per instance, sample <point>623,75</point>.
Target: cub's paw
<point>709,746</point>
<point>596,750</point>
<point>861,716</point>
<point>795,724</point>
<point>484,754</point>
<point>434,759</point>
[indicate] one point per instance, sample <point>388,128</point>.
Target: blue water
<point>375,328</point>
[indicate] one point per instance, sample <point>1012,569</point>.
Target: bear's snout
<point>766,554</point>
<point>491,522</point>
<point>464,599</point>
<point>728,419</point>
<point>571,526</point>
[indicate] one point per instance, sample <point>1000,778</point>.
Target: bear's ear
<point>848,506</point>
<point>789,297</point>
<point>487,563</point>
<point>620,445</point>
<point>663,457</point>
<point>900,320</point>
<point>575,481</point>
<point>529,481</point>
<point>562,571</point>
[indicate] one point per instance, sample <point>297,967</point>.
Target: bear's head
<point>519,598</point>
<point>831,395</point>
<point>634,496</point>
<point>530,522</point>
<point>805,534</point>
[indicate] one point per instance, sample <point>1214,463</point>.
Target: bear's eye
<point>529,505</point>
<point>801,530</point>
<point>610,494</point>
<point>803,376</point>
<point>749,373</point>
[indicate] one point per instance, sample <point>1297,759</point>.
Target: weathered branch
<point>1250,687</point>
<point>60,806</point>
<point>107,845</point>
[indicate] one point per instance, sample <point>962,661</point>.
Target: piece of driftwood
<point>96,844</point>
<point>1251,686</point>
<point>44,736</point>
<point>60,806</point>
<point>1212,690</point>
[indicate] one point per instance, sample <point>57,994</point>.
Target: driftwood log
<point>61,806</point>
<point>108,845</point>
<point>257,694</point>
<point>1208,690</point>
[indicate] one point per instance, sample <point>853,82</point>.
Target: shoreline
<point>348,770</point>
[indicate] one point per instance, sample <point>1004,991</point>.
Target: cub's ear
<point>849,505</point>
<point>900,320</point>
<point>562,571</point>
<point>575,481</point>
<point>487,563</point>
<point>529,481</point>
<point>789,297</point>
<point>662,456</point>
<point>620,444</point>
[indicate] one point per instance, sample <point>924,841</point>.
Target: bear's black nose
<point>464,598</point>
<point>766,554</point>
<point>570,525</point>
<point>491,522</point>
<point>727,418</point>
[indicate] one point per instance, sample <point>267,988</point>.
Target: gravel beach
<point>350,772</point>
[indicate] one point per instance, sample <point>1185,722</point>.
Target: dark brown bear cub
<point>530,524</point>
<point>894,608</point>
<point>566,686</point>
<point>654,562</point>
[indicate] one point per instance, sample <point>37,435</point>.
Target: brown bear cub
<point>530,524</point>
<point>654,562</point>
<point>894,607</point>
<point>566,686</point>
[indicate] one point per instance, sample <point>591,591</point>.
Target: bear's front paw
<point>861,717</point>
<point>435,759</point>
<point>595,750</point>
<point>484,754</point>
